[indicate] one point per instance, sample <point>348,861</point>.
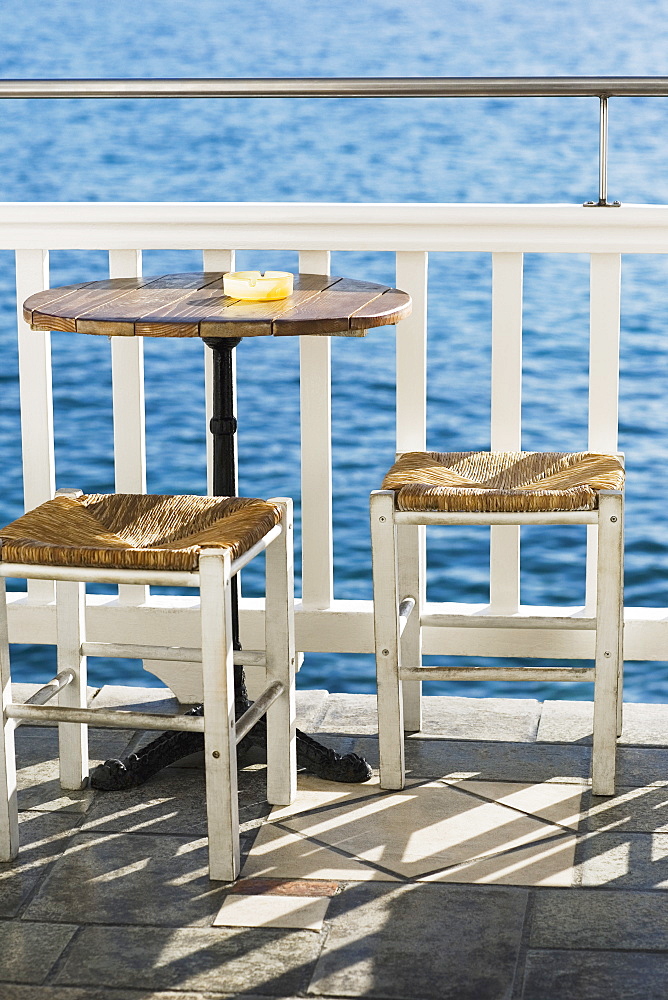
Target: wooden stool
<point>491,488</point>
<point>182,541</point>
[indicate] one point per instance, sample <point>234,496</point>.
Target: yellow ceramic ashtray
<point>258,287</point>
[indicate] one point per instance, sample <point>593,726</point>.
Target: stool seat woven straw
<point>503,480</point>
<point>190,541</point>
<point>133,531</point>
<point>492,488</point>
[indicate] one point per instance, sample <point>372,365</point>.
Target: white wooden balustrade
<point>411,231</point>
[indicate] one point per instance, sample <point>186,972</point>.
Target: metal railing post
<point>602,159</point>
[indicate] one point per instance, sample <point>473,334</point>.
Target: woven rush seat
<point>496,482</point>
<point>134,531</point>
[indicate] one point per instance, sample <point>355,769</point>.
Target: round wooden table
<point>194,305</point>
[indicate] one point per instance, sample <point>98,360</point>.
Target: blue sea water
<point>532,150</point>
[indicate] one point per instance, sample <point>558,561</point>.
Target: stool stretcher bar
<point>503,517</point>
<point>105,718</point>
<point>258,709</point>
<point>506,621</point>
<point>49,690</point>
<point>573,674</point>
<point>94,574</point>
<point>115,719</point>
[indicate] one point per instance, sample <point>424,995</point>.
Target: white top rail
<point>333,226</point>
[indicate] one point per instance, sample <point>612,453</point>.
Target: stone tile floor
<point>493,876</point>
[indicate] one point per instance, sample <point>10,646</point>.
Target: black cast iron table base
<point>118,774</point>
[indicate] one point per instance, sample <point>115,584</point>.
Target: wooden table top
<point>193,305</point>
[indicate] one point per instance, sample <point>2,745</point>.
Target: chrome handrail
<point>539,86</point>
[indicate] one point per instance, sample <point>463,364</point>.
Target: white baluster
<point>316,454</point>
<point>39,473</point>
<point>604,324</point>
<point>506,417</point>
<point>411,367</point>
<point>127,376</point>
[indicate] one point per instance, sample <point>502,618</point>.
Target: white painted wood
<point>39,469</point>
<point>412,270</point>
<point>127,379</point>
<point>466,517</point>
<point>316,450</point>
<point>174,654</point>
<point>411,364</point>
<point>344,628</point>
<point>160,578</point>
<point>106,718</point>
<point>604,334</point>
<point>72,736</point>
<point>608,642</point>
<point>219,729</point>
<point>280,647</point>
<point>411,569</point>
<point>622,628</point>
<point>387,649</point>
<point>9,817</point>
<point>410,229</point>
<point>330,226</point>
<point>521,674</point>
<point>518,621</point>
<point>506,416</point>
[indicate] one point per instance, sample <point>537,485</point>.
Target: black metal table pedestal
<point>135,769</point>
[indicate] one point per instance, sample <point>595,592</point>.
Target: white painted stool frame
<point>221,733</point>
<point>399,598</point>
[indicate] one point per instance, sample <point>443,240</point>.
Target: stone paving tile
<point>440,942</point>
<point>489,761</point>
<point>38,771</point>
<point>638,766</point>
<point>595,975</point>
<point>603,919</point>
<point>506,719</point>
<point>632,810</point>
<point>274,963</point>
<point>29,951</point>
<point>174,802</point>
<point>129,879</point>
<point>624,860</point>
<point>572,722</point>
<point>11,991</point>
<point>43,838</point>
<point>462,831</point>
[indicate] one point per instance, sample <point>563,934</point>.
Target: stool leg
<point>72,736</point>
<point>608,643</point>
<point>620,672</point>
<point>410,546</point>
<point>9,815</point>
<point>280,650</point>
<point>220,757</point>
<point>386,626</point>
